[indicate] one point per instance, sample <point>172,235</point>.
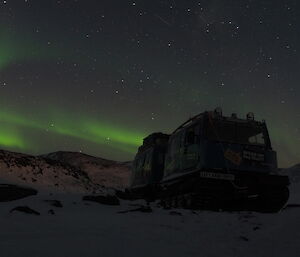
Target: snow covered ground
<point>91,229</point>
<point>81,228</point>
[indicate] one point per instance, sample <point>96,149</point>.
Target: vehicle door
<point>191,146</point>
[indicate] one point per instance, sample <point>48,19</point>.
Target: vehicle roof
<point>213,115</point>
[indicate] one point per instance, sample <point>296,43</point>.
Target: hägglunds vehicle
<point>211,162</point>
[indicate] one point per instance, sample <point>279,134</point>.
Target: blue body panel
<point>221,155</point>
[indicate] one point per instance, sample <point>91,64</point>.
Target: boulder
<point>25,209</point>
<point>103,199</point>
<point>13,192</point>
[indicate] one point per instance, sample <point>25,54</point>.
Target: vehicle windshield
<point>235,132</point>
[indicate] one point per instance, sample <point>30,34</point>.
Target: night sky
<point>98,76</point>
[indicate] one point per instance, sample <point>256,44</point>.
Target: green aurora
<point>17,48</point>
<point>11,139</point>
<point>87,130</point>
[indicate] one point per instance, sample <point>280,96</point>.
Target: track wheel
<point>182,203</point>
<point>273,199</point>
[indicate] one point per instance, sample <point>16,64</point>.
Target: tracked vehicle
<point>211,162</point>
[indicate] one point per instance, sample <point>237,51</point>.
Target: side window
<point>140,162</point>
<point>148,162</point>
<point>257,139</point>
<point>161,158</point>
<point>175,145</point>
<point>192,135</point>
<point>172,154</point>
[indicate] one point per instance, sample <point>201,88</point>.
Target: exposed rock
<point>103,199</point>
<point>25,209</point>
<point>145,209</point>
<point>175,213</point>
<point>13,192</point>
<point>52,212</point>
<point>244,238</point>
<point>124,194</point>
<point>54,203</point>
